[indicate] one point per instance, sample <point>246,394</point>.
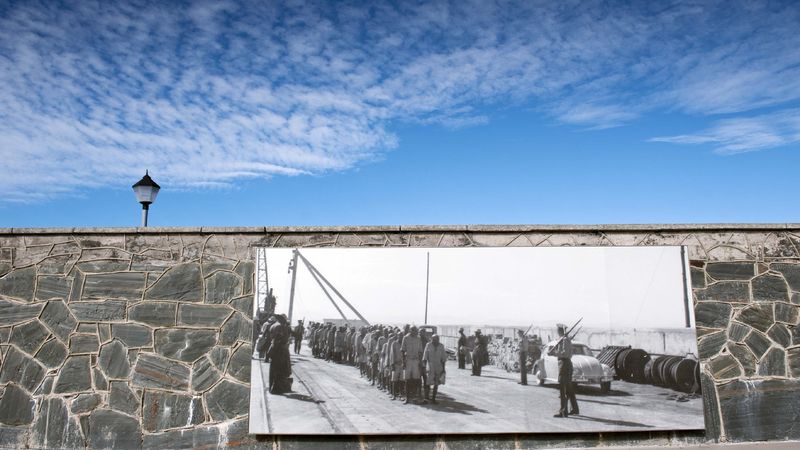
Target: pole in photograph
<point>146,191</point>
<point>293,269</point>
<point>427,283</point>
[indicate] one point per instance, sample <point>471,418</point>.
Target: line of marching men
<point>403,362</point>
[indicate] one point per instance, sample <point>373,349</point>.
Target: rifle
<point>573,327</point>
<point>529,329</point>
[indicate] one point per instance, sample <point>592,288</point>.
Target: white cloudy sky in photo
<point>617,287</point>
<point>213,93</point>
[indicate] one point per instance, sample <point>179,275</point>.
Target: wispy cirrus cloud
<point>208,93</point>
<point>745,134</point>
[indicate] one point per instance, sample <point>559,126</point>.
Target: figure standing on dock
<point>563,351</point>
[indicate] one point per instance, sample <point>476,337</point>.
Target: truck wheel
<point>605,387</point>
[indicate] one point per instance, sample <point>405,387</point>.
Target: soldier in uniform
<point>412,353</point>
<point>478,353</point>
<point>523,358</point>
<point>462,349</point>
<point>563,351</point>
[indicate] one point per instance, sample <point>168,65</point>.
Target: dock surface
<point>330,398</point>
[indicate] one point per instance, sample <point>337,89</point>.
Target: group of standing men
<point>479,353</point>
<point>403,362</point>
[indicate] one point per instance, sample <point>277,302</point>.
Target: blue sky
<point>337,113</point>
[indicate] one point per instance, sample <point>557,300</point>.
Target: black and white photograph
<point>473,340</point>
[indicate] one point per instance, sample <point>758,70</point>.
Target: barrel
<point>682,374</point>
<point>648,371</point>
<point>666,371</point>
<point>630,364</point>
<point>658,365</point>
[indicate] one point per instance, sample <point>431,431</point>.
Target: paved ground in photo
<point>331,398</point>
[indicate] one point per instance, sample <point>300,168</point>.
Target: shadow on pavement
<point>621,423</point>
<point>448,404</point>
<point>592,391</point>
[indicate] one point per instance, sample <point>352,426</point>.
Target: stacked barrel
<point>637,366</point>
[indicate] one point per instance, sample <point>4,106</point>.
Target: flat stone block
<point>786,313</point>
<point>712,314</point>
<point>745,357</point>
<point>162,411</point>
<point>51,424</point>
<point>758,343</point>
<point>759,316</point>
<point>205,437</point>
<point>105,311</point>
<point>58,318</point>
<point>219,357</point>
<point>118,285</point>
<point>113,360</point>
<point>793,356</point>
<point>737,331</point>
<point>204,375</point>
<point>19,284</point>
<point>731,270</point>
<point>29,336</point>
<point>237,328</point>
<point>122,398</point>
<point>773,363</point>
<point>184,344</point>
<point>725,291</point>
<point>103,266</point>
<point>12,313</point>
<point>760,410</point>
<point>51,287</point>
<point>211,316</point>
<point>110,430</point>
<point>724,366</point>
<point>770,288</point>
<point>84,403</point>
<point>243,304</point>
<point>16,406</point>
<point>222,287</point>
<point>157,314</point>
<point>84,343</point>
<point>74,376</point>
<point>99,379</point>
<point>153,371</point>
<point>19,368</point>
<point>711,344</point>
<point>132,335</point>
<point>780,335</point>
<point>790,272</point>
<point>239,367</point>
<point>227,400</point>
<point>182,282</point>
<point>698,277</point>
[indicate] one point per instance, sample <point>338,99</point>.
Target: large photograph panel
<point>473,340</point>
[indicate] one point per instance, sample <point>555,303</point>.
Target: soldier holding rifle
<point>563,351</point>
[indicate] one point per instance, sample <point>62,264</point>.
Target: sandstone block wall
<point>136,338</point>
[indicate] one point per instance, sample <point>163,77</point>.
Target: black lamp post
<point>146,191</point>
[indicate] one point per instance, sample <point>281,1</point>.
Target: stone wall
<point>141,337</point>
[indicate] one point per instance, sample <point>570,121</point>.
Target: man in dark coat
<point>297,334</point>
<point>280,369</point>
<point>462,349</point>
<point>478,353</point>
